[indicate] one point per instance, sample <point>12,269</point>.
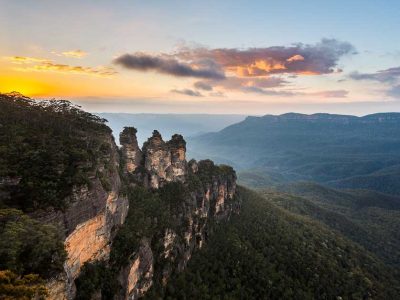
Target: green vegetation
<point>260,179</point>
<point>27,246</point>
<point>151,213</point>
<point>341,151</point>
<point>369,218</point>
<point>298,241</point>
<point>46,148</point>
<point>25,287</point>
<point>268,253</point>
<point>96,277</point>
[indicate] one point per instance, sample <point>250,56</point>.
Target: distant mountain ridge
<point>339,150</point>
<point>327,116</point>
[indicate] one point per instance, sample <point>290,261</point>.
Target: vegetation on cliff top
<point>46,148</point>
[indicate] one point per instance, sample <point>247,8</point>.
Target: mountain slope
<point>269,253</point>
<point>369,218</point>
<point>344,151</point>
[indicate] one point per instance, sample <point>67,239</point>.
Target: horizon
<point>207,149</point>
<point>244,115</point>
<point>226,57</point>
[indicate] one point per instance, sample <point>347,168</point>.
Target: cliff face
<point>210,199</point>
<point>90,221</point>
<point>97,210</point>
<point>161,161</point>
<point>61,170</point>
<point>131,153</point>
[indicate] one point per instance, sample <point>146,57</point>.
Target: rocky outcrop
<point>131,153</point>
<point>210,199</point>
<point>95,213</point>
<point>137,277</point>
<point>89,223</point>
<point>157,159</point>
<point>157,258</point>
<point>177,171</point>
<point>161,161</point>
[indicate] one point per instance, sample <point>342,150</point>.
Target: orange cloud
<point>296,57</point>
<point>25,59</point>
<point>258,68</point>
<point>41,64</point>
<point>72,53</point>
<point>50,66</point>
<point>300,59</point>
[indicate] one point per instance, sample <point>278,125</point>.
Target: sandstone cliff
<point>89,223</point>
<point>95,212</point>
<point>93,220</point>
<point>203,196</point>
<point>209,199</point>
<point>159,162</point>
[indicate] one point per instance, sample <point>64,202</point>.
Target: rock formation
<point>127,218</point>
<point>162,161</point>
<point>137,277</point>
<point>89,223</point>
<point>131,153</point>
<point>94,213</point>
<point>211,197</point>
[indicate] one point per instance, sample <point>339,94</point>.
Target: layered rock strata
<point>94,213</point>
<point>211,199</point>
<point>89,223</point>
<point>161,161</point>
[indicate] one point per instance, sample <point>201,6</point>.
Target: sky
<point>240,57</point>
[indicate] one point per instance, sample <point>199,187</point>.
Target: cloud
<point>97,71</point>
<point>252,70</point>
<point>216,94</point>
<point>302,59</point>
<point>387,75</point>
<point>72,53</point>
<point>283,93</point>
<point>25,59</point>
<point>331,94</point>
<point>201,85</point>
<point>144,62</point>
<point>394,92</point>
<point>242,84</point>
<point>188,92</point>
<point>43,65</point>
<point>267,92</point>
<point>296,57</point>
